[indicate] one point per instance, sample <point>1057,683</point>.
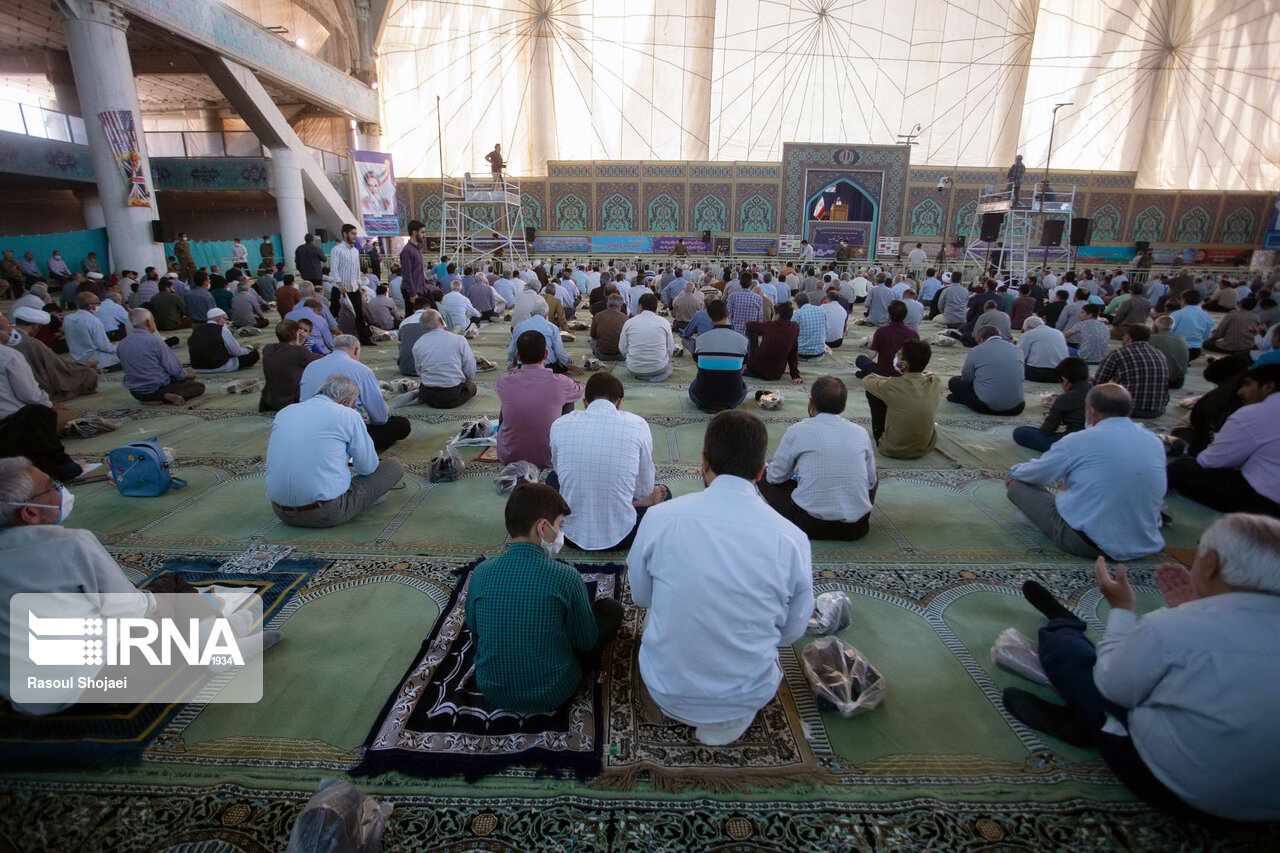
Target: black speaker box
<point>1051,234</point>
<point>1142,246</point>
<point>530,234</point>
<point>162,232</point>
<point>1081,231</point>
<point>991,223</point>
<point>322,235</point>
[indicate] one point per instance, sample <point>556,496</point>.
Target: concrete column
<point>369,136</point>
<point>104,81</point>
<point>91,207</point>
<point>291,206</point>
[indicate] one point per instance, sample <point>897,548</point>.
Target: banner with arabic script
<point>122,135</point>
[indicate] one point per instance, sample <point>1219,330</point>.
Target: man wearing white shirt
<point>915,310</point>
<point>823,477</point>
<point>917,257</point>
<point>1114,483</point>
<point>1043,348</point>
<point>344,269</point>
<point>647,343</point>
<point>445,364</point>
<point>1182,701</point>
<point>806,252</point>
<point>837,318</point>
<point>633,297</point>
<point>315,488</point>
<point>457,310</point>
<point>239,253</point>
<point>522,307</point>
<point>727,581</point>
<point>603,461</point>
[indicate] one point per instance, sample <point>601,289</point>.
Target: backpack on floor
<point>140,470</point>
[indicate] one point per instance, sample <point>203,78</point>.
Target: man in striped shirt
<point>344,267</point>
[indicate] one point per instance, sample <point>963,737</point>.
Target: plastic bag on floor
<point>339,819</point>
<point>446,465</point>
<point>514,474</point>
<point>841,677</point>
<point>832,612</point>
<point>1015,653</point>
<point>479,432</point>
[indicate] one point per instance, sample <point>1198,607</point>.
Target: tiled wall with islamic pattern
<point>710,206</point>
<point>663,207</point>
<point>1196,219</point>
<point>616,206</point>
<point>1150,217</point>
<point>570,207</point>
<point>756,208</point>
<point>799,158</point>
<point>1109,212</point>
<point>926,212</point>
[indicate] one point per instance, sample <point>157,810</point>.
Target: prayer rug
<point>772,753</point>
<point>437,723</point>
<point>102,735</point>
<point>489,454</point>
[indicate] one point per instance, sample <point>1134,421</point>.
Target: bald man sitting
<point>152,373</point>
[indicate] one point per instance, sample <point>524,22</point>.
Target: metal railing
<point>226,143</point>
<point>35,120</point>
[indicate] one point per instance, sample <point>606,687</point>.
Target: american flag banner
<point>122,135</point>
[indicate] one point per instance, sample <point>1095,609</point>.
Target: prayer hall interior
<point>638,425</point>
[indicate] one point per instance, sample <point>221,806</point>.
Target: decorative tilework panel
<point>1109,212</point>
<point>1122,180</point>
<point>671,171</point>
<point>929,175</point>
<point>532,201</point>
<point>663,207</point>
<point>1238,226</point>
<point>402,205</point>
<point>709,206</point>
<point>711,172</point>
<point>757,208</point>
<point>570,207</point>
<point>607,171</point>
<point>758,171</point>
<point>926,217</point>
<point>616,204</point>
<point>568,170</point>
<point>798,158</point>
<point>963,205</point>
<point>1150,216</point>
<point>983,178</point>
<point>209,173</point>
<point>428,206</point>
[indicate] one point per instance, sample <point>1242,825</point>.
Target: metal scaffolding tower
<point>1022,230</point>
<point>482,220</point>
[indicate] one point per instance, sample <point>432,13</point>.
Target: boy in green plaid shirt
<point>537,632</point>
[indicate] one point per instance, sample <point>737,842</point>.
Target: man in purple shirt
<point>152,373</point>
<point>1240,470</point>
<point>532,396</point>
<point>413,280</point>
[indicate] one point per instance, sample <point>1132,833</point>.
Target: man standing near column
<point>344,267</point>
<point>309,259</point>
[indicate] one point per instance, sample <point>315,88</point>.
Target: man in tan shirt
<point>687,304</point>
<point>1235,331</point>
<point>606,329</point>
<point>555,308</point>
<point>903,408</point>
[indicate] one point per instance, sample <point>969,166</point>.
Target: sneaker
<point>484,365</point>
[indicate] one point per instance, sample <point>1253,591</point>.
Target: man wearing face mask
<point>1114,483</point>
<point>87,336</point>
<point>538,634</point>
<point>28,421</point>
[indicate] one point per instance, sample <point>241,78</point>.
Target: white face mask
<point>66,500</point>
<point>553,547</point>
<point>13,338</point>
<point>898,365</point>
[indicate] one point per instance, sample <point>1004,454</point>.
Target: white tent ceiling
<point>1179,91</point>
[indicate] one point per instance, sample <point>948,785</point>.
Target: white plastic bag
<point>521,471</point>
<point>1015,653</point>
<point>339,819</point>
<point>841,677</point>
<point>832,612</point>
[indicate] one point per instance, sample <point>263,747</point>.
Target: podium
<point>839,212</point>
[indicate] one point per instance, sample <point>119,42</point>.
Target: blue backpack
<point>140,470</point>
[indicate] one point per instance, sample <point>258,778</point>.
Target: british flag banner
<point>122,135</point>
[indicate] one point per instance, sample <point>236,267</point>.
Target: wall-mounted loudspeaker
<point>530,234</point>
<point>1051,234</point>
<point>991,223</point>
<point>1081,231</point>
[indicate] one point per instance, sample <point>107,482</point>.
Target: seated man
<point>709,658</point>
<point>606,329</point>
<point>1114,477</point>
<point>777,350</point>
<point>445,364</point>
<point>991,316</point>
<point>903,408</point>
<point>410,330</point>
<point>811,323</point>
<point>247,307</point>
<point>457,309</point>
<point>87,337</point>
<point>1043,348</point>
<point>991,380</point>
<point>531,397</point>
<point>1089,337</point>
<point>700,322</point>
<point>168,308</point>
<point>721,354</point>
<point>1182,701</point>
<point>113,315</point>
<point>1240,469</point>
<point>647,343</point>
<point>557,358</point>
<point>1141,369</point>
<point>215,350</point>
<point>1173,348</point>
<point>538,636</point>
<point>60,378</point>
<point>1067,410</point>
<point>320,333</point>
<point>603,460</point>
<point>384,428</point>
<point>316,488</point>
<point>381,310</point>
<point>1192,323</point>
<point>1135,311</point>
<point>28,421</point>
<point>837,317</point>
<point>823,477</point>
<point>555,306</point>
<point>686,305</point>
<point>1234,332</point>
<point>152,373</point>
<point>282,366</point>
<point>886,341</point>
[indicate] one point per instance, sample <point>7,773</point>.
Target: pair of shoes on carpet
<point>484,365</point>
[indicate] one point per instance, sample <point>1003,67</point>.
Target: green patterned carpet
<point>938,765</point>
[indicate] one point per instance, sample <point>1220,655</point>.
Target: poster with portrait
<point>375,192</point>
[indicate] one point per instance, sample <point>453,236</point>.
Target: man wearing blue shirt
<point>1192,323</point>
<point>557,359</point>
<point>1114,482</point>
<point>384,428</point>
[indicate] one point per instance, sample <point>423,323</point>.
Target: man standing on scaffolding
<point>1014,177</point>
<point>495,161</point>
